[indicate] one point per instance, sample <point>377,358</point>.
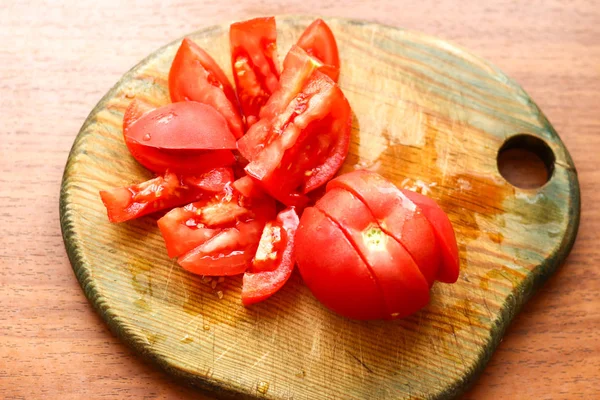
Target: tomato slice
<point>445,235</point>
<point>274,260</point>
<point>229,252</point>
<point>136,109</point>
<point>333,270</point>
<point>182,126</point>
<point>163,192</point>
<point>397,216</point>
<point>253,61</point>
<point>319,42</point>
<point>303,147</point>
<point>248,187</point>
<point>195,76</point>
<point>404,288</point>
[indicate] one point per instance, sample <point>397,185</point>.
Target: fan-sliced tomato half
<point>195,76</point>
<point>163,192</point>
<point>403,286</point>
<point>397,215</point>
<point>302,148</point>
<point>444,231</point>
<point>253,60</point>
<point>333,271</point>
<point>185,137</point>
<point>319,42</point>
<point>274,260</point>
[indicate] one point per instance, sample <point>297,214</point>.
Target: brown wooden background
<point>56,61</point>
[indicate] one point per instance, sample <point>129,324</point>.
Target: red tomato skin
<point>333,270</point>
<point>136,109</point>
<point>181,162</point>
<point>403,286</point>
<point>123,204</point>
<point>182,126</point>
<point>195,76</point>
<point>254,63</point>
<point>319,42</point>
<point>450,267</point>
<point>258,286</point>
<point>397,215</point>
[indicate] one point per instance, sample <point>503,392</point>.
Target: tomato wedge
<point>186,137</point>
<point>195,76</point>
<point>303,147</point>
<point>333,270</point>
<point>136,109</point>
<point>319,42</point>
<point>402,284</point>
<point>253,61</point>
<point>444,232</point>
<point>397,215</point>
<point>163,192</point>
<point>274,261</point>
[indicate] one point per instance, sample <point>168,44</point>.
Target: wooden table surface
<point>57,61</point>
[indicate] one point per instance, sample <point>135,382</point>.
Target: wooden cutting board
<point>427,115</point>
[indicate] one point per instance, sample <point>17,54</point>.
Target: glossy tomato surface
<point>318,41</point>
<point>195,76</point>
<point>163,192</point>
<point>254,63</point>
<point>274,260</point>
<point>185,137</point>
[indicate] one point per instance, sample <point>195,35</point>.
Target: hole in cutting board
<point>526,161</point>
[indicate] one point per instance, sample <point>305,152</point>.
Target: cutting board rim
<point>81,267</point>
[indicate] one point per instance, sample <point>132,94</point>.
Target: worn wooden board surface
<point>426,112</point>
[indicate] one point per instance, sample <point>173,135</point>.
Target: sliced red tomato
<point>195,76</point>
<point>319,42</point>
<point>136,109</point>
<point>186,137</point>
<point>333,271</point>
<point>274,260</point>
<point>230,252</point>
<point>303,147</point>
<point>248,187</point>
<point>444,232</point>
<point>403,286</point>
<point>253,60</point>
<point>163,192</point>
<point>397,215</point>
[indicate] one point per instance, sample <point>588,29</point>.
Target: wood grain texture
<point>54,68</point>
<point>425,112</point>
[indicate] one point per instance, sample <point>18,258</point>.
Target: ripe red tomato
<point>274,260</point>
<point>253,60</point>
<point>123,204</point>
<point>398,216</point>
<point>333,270</point>
<point>304,143</point>
<point>384,229</point>
<point>210,233</point>
<point>186,137</point>
<point>319,42</point>
<point>195,76</point>
<point>444,232</point>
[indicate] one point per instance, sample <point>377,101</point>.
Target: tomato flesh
<point>195,76</point>
<point>319,42</point>
<point>445,235</point>
<point>333,270</point>
<point>404,288</point>
<point>397,215</point>
<point>253,60</point>
<point>163,192</point>
<point>302,147</point>
<point>274,260</point>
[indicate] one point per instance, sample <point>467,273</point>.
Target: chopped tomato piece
<point>195,76</point>
<point>253,61</point>
<point>319,42</point>
<point>163,192</point>
<point>274,260</point>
